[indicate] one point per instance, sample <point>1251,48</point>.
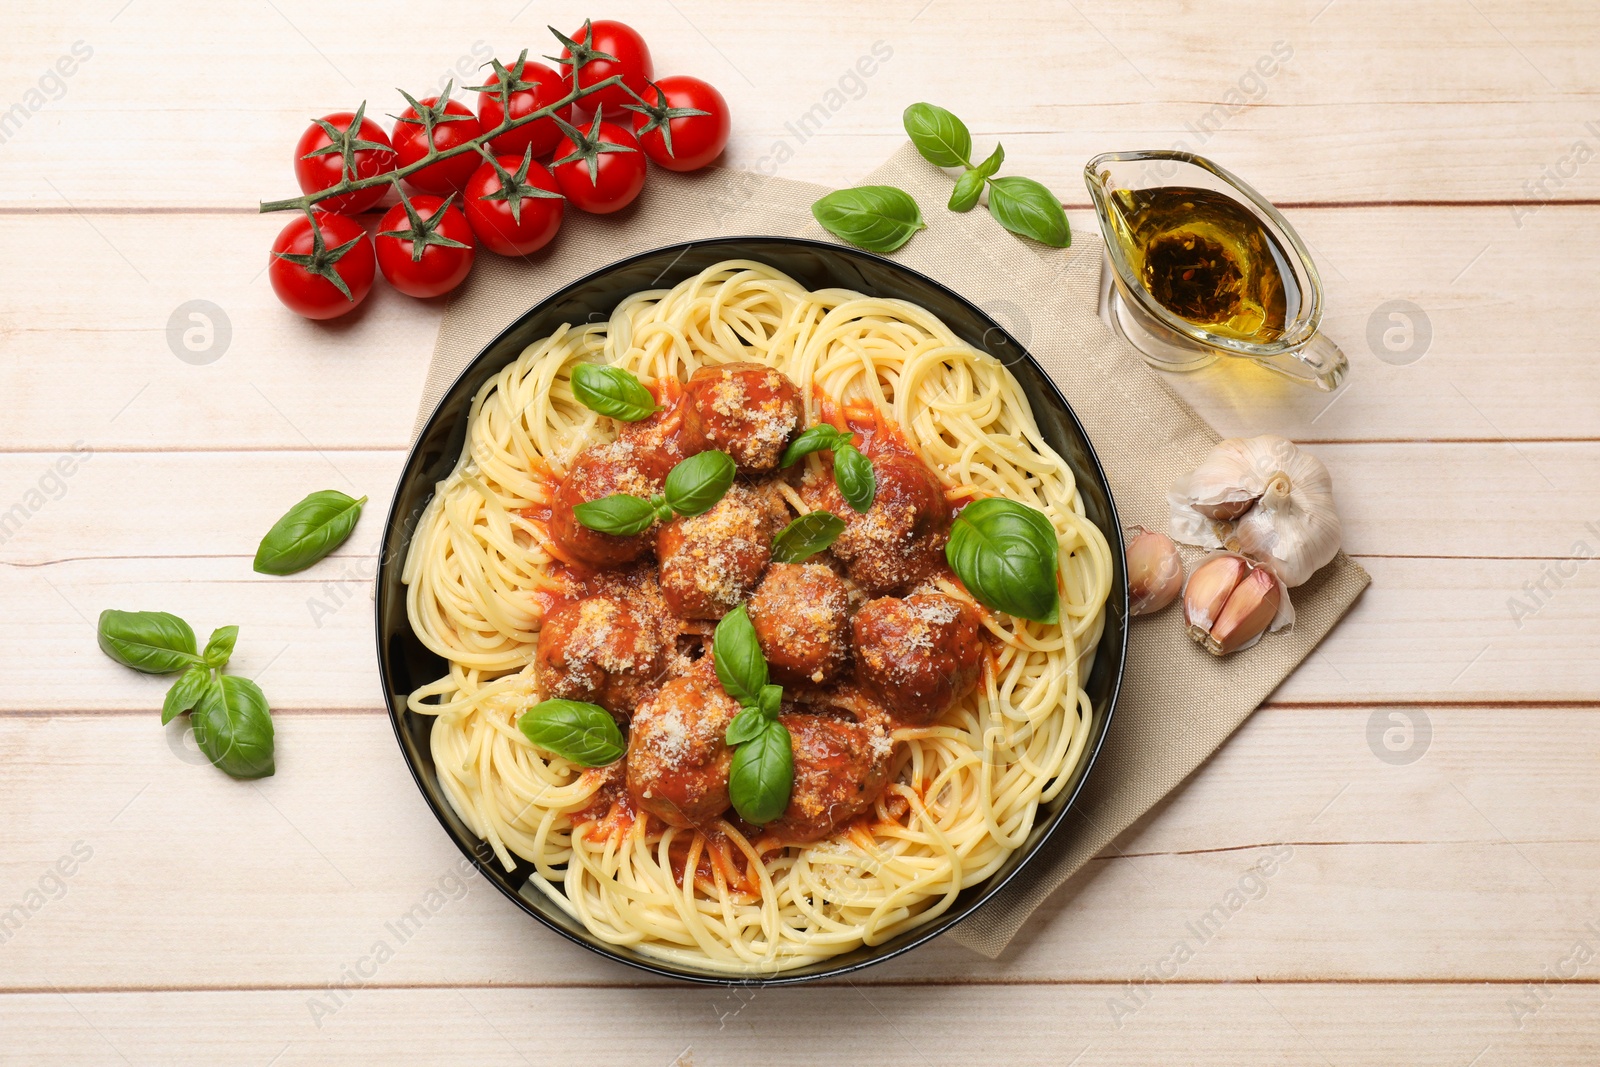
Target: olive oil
<point>1206,258</point>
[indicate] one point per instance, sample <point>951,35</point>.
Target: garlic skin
<point>1265,498</point>
<point>1229,603</point>
<point>1155,572</point>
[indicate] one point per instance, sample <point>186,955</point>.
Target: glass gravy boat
<point>1169,341</point>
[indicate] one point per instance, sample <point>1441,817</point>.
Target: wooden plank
<point>283,382</point>
<point>1421,1025</point>
<point>177,532</point>
<point>1447,105</point>
<point>1478,844</point>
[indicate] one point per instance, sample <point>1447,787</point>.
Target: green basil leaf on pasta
<point>219,649</point>
<point>155,642</point>
<point>308,531</point>
<point>1028,209</point>
<point>185,693</point>
<point>745,726</point>
<point>771,699</point>
<point>736,654</point>
<point>762,775</point>
<point>618,514</point>
<point>818,438</point>
<point>942,138</point>
<point>1007,555</point>
<point>879,218</point>
<point>695,485</point>
<point>612,391</point>
<point>580,733</point>
<point>233,727</point>
<point>806,536</point>
<point>852,473</point>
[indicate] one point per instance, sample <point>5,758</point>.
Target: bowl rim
<point>487,866</point>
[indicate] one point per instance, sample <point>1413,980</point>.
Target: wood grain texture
<point>1432,153</point>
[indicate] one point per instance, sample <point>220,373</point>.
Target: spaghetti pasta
<point>963,790</point>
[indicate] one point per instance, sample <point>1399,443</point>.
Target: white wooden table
<point>1433,767</point>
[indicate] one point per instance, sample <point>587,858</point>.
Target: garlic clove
<point>1225,510</point>
<point>1155,572</point>
<point>1207,592</point>
<point>1251,608</point>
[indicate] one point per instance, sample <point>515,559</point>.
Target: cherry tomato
<point>618,164</point>
<point>305,261</point>
<point>629,57</point>
<point>319,159</point>
<point>518,222</point>
<point>453,124</point>
<point>426,250</point>
<point>695,140</point>
<point>540,87</point>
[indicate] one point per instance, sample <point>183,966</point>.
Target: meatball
<point>840,767</point>
<point>902,536</point>
<point>619,467</point>
<point>665,436</point>
<point>918,655</point>
<point>801,613</point>
<point>602,650</point>
<point>677,759</point>
<point>711,561</point>
<point>748,410</point>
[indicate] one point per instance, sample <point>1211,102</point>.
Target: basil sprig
<point>307,532</point>
<point>580,733</point>
<point>1007,555</point>
<point>879,218</point>
<point>232,723</point>
<point>761,775</point>
<point>806,536</point>
<point>612,391</point>
<point>693,487</point>
<point>852,470</point>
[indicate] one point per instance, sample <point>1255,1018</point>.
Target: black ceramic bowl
<point>405,664</point>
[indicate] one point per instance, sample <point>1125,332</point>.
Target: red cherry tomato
<point>695,139</point>
<point>337,247</point>
<point>426,252</point>
<point>319,161</point>
<point>545,88</point>
<point>513,232</point>
<point>619,168</point>
<point>630,57</point>
<point>454,124</point>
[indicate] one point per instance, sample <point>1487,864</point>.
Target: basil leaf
<point>233,727</point>
<point>762,775</point>
<point>1007,554</point>
<point>852,472</point>
<point>220,647</point>
<point>155,642</point>
<point>745,726</point>
<point>942,138</point>
<point>307,532</point>
<point>612,391</point>
<point>1025,207</point>
<point>964,197</point>
<point>806,536</point>
<point>618,514</point>
<point>771,699</point>
<point>580,733</point>
<point>736,654</point>
<point>879,218</point>
<point>185,693</point>
<point>695,485</point>
<point>812,439</point>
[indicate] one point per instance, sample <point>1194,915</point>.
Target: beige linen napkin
<point>1178,703</point>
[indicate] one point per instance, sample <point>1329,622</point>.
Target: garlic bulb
<point>1264,498</point>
